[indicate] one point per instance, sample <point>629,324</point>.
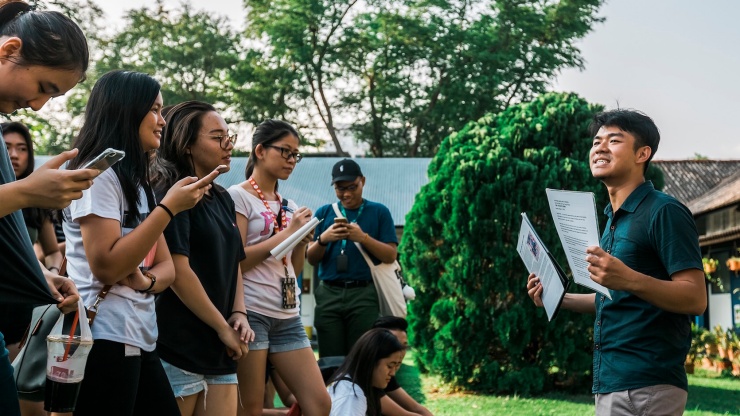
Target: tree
<point>409,73</point>
<point>472,321</point>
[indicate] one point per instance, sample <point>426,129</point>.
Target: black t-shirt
<point>392,385</point>
<point>209,237</point>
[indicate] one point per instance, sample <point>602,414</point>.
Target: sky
<point>676,60</point>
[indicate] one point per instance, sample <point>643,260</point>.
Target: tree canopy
<point>398,76</point>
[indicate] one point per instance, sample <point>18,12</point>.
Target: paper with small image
<point>538,260</point>
<point>282,249</point>
<point>575,219</point>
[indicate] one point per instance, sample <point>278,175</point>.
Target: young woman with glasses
<point>203,321</point>
<point>266,219</point>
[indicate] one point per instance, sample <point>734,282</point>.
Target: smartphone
<point>103,161</point>
<point>340,220</point>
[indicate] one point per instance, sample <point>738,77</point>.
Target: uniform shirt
<point>347,399</point>
<point>207,234</point>
<point>637,344</point>
<point>375,220</point>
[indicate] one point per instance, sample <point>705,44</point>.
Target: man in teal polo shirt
<point>346,300</point>
<point>650,260</point>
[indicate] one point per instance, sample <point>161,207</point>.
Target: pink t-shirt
<point>263,283</point>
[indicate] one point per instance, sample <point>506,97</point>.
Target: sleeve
<point>386,226</point>
<point>240,255</point>
<point>676,239</point>
<point>348,403</point>
<point>104,199</point>
<point>177,234</point>
<point>324,224</point>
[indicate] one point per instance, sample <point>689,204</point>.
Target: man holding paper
<point>346,300</point>
<point>650,261</point>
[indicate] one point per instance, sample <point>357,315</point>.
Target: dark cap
<point>345,170</point>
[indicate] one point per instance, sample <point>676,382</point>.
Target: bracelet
<point>53,268</point>
<point>320,243</point>
<point>151,286</point>
<point>161,205</point>
<point>365,238</point>
<point>241,312</point>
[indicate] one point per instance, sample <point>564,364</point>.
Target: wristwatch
<point>150,289</point>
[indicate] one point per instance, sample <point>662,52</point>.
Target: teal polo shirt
<point>637,344</point>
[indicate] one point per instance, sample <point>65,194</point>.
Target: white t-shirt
<point>347,400</point>
<point>263,292</point>
<point>125,315</point>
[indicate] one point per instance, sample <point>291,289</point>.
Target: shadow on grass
<point>713,399</point>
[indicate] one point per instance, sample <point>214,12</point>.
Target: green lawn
<point>709,394</point>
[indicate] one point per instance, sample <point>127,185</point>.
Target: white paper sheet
<point>282,249</point>
<point>575,218</point>
<point>537,260</point>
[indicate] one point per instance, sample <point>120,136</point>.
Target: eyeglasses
<point>286,153</point>
<point>224,139</point>
<point>350,188</point>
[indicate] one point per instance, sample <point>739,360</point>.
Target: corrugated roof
<point>726,193</point>
<point>310,182</point>
<point>687,180</point>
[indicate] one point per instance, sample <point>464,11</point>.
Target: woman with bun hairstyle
<point>114,240</point>
<point>43,55</point>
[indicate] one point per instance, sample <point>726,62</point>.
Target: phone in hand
<point>340,220</point>
<point>106,159</point>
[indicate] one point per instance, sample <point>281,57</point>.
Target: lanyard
<point>359,212</point>
<point>283,218</point>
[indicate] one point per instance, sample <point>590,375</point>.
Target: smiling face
<point>18,152</point>
<point>386,368</point>
<point>207,152</point>
<point>350,192</point>
<point>29,86</point>
<point>613,157</point>
<point>150,129</point>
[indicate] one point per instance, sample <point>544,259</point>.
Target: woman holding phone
<point>266,219</point>
<point>115,247</point>
<point>202,320</point>
<point>43,55</point>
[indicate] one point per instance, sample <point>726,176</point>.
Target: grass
<point>709,394</point>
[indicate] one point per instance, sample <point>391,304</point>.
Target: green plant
<point>710,266</point>
<point>696,349</point>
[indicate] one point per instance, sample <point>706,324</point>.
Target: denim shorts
<point>185,383</point>
<point>279,335</point>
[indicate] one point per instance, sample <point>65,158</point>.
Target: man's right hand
<point>534,289</point>
<point>52,188</point>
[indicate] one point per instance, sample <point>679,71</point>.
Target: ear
<point>643,154</point>
<point>259,151</point>
<point>11,47</point>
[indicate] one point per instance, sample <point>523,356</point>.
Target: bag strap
<point>93,310</point>
<point>336,209</point>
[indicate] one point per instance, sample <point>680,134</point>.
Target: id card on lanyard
<point>342,259</point>
<point>288,283</point>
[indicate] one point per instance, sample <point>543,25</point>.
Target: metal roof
<point>394,182</point>
<point>687,180</point>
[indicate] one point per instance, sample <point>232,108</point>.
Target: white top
<point>263,292</point>
<point>347,400</point>
<point>125,315</point>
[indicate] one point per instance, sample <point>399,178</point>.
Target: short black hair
<point>392,323</point>
<point>635,122</point>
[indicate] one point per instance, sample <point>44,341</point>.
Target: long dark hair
<point>50,39</point>
<point>373,346</point>
<point>118,103</point>
<point>267,132</point>
<point>173,160</point>
<point>33,217</point>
